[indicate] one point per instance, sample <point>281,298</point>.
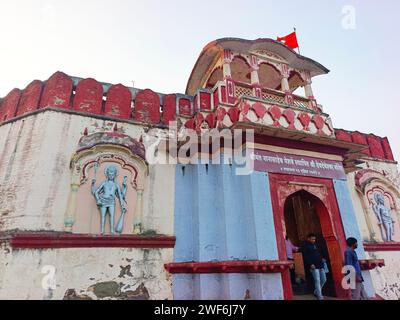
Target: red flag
<point>290,40</point>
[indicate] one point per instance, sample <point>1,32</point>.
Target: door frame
<point>281,187</point>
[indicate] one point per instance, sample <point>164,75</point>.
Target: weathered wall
<point>387,279</point>
<point>35,177</point>
<point>96,273</point>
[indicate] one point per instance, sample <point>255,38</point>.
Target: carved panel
<point>108,179</point>
<point>380,198</point>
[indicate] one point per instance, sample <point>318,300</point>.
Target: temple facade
<point>114,192</point>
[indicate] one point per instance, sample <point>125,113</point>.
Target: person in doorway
<point>314,263</point>
<point>290,249</point>
<point>351,259</point>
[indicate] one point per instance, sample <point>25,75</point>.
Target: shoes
<point>318,297</point>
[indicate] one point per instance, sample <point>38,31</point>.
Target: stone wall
<point>387,279</point>
<point>85,273</point>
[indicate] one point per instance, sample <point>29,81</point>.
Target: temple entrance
<point>302,212</point>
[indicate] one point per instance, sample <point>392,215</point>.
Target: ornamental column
<point>255,81</point>
<point>308,92</point>
<point>226,70</point>
<point>69,219</point>
<point>285,84</point>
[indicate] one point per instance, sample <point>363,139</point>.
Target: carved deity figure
<point>384,217</point>
<point>105,196</point>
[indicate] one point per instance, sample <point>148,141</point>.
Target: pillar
<point>285,84</point>
<point>138,220</point>
<point>255,81</point>
<point>351,228</point>
<point>71,208</point>
<point>226,70</point>
<point>308,91</point>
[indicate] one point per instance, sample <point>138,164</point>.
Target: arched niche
<point>295,81</point>
<point>269,76</point>
<point>216,75</point>
<point>368,182</point>
<point>240,70</point>
<point>88,165</point>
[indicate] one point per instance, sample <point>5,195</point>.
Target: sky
<point>155,43</point>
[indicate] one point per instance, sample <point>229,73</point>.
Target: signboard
<point>269,161</point>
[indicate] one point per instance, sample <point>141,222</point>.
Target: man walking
<point>351,259</point>
<point>314,262</point>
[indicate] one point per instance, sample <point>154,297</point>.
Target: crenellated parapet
<point>115,101</point>
<point>375,147</point>
<point>90,96</point>
<point>206,109</point>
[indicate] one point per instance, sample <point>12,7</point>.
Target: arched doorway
<point>281,188</point>
<point>302,217</point>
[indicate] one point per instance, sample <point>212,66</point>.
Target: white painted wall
<point>387,279</point>
<point>35,177</point>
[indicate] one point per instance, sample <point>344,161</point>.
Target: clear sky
<point>155,43</point>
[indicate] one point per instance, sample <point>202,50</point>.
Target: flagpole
<point>298,45</point>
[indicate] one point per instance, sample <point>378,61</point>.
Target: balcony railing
<point>242,89</point>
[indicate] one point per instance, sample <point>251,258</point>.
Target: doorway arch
<point>304,214</point>
<point>326,207</point>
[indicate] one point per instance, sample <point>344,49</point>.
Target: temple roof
<point>211,52</point>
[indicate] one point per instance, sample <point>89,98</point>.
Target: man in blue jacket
<point>351,259</point>
<point>314,262</point>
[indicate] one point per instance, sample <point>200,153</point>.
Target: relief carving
<point>112,205</point>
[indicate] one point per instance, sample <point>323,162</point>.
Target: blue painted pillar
<point>184,218</point>
<point>211,225</point>
<point>240,239</point>
<point>351,228</point>
<point>269,285</point>
<point>222,216</point>
<point>263,216</point>
<point>185,229</point>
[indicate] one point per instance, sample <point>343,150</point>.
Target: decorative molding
<point>366,176</point>
<point>383,246</point>
<point>370,264</point>
<point>53,240</point>
<point>245,266</point>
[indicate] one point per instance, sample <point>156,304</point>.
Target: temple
<point>89,211</point>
